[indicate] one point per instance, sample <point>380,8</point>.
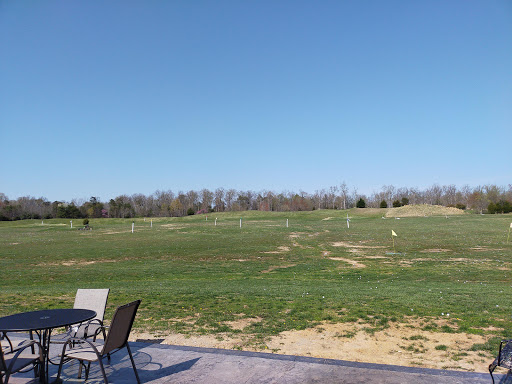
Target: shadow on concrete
<point>120,369</point>
<point>166,371</point>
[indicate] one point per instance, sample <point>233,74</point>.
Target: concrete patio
<point>162,364</point>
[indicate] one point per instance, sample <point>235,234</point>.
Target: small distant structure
<point>86,227</point>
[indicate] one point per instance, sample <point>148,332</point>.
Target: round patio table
<point>42,323</point>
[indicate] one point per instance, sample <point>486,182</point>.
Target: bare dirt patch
<point>70,263</point>
<point>423,210</point>
<point>328,218</point>
<point>346,244</point>
<point>282,249</point>
<point>202,341</point>
<point>400,344</point>
<point>243,323</point>
<point>354,263</point>
<point>376,257</point>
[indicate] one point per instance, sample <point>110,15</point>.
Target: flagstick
<point>151,226</point>
<point>392,238</point>
<point>509,232</point>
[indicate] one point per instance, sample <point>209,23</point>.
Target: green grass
<point>195,277</point>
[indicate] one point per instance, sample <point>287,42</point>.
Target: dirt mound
<point>423,210</point>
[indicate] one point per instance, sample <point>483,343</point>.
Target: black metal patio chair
<point>93,299</point>
<point>116,338</point>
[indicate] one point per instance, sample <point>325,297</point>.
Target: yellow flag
<point>393,233</point>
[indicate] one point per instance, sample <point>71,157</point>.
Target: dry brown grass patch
<point>347,244</point>
<point>281,249</point>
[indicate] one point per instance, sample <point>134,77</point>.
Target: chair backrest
<point>120,327</point>
<point>93,299</point>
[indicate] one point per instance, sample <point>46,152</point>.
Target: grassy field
<point>195,277</point>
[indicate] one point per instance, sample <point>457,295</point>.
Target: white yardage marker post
<point>286,223</point>
<point>215,221</point>
<point>133,225</point>
<point>151,223</point>
<point>509,232</point>
<point>71,222</point>
<point>348,221</point>
<point>240,223</point>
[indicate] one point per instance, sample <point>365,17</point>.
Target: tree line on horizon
<point>487,198</point>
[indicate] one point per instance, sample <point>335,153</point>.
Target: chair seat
<point>85,354</point>
<point>21,362</point>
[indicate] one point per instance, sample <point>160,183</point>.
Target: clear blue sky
<point>102,98</point>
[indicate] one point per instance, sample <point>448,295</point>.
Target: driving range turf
<point>196,274</point>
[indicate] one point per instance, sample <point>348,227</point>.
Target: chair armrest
<point>90,322</point>
<point>72,341</point>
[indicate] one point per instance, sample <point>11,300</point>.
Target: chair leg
<point>133,363</point>
<point>87,370</point>
<point>103,370</point>
<point>57,380</point>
